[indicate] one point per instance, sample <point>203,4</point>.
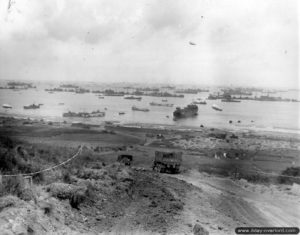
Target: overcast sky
<point>238,42</point>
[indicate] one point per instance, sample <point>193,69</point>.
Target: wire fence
<point>49,168</point>
<point>56,166</point>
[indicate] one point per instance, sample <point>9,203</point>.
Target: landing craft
<point>192,43</point>
<point>7,106</point>
<point>216,107</point>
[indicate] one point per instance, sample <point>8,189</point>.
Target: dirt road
<point>221,204</point>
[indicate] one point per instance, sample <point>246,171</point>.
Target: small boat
<point>216,107</point>
<point>164,100</point>
<point>158,104</point>
<point>101,97</point>
<point>200,102</point>
<point>61,103</point>
<point>121,113</point>
<point>32,106</point>
<point>131,97</point>
<point>134,108</point>
<point>7,106</point>
<point>231,100</point>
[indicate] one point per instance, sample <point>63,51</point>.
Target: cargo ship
<point>32,106</point>
<point>134,108</point>
<point>189,111</point>
<point>228,98</point>
<point>133,97</point>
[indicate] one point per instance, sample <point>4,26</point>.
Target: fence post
<point>28,181</point>
<point>235,173</point>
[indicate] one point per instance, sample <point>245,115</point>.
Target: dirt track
<point>221,204</point>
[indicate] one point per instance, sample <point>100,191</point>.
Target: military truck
<point>126,159</point>
<point>167,161</point>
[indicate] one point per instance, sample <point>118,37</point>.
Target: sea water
<point>280,116</point>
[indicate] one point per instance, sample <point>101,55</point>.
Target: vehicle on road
<point>125,158</point>
<point>167,161</point>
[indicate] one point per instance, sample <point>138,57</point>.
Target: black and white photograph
<point>149,117</point>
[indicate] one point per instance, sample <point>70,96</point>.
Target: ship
<point>228,98</point>
<point>121,113</point>
<point>216,107</point>
<point>213,97</point>
<point>110,92</point>
<point>97,114</point>
<point>189,111</point>
<point>7,106</point>
<point>134,108</point>
<point>159,104</point>
<point>84,114</point>
<point>131,97</point>
<point>32,106</point>
<point>191,91</point>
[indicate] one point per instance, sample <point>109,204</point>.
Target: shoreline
<point>155,126</point>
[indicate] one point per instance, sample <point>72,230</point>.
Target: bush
<point>98,165</point>
<point>255,178</point>
<point>8,201</point>
<point>38,178</point>
<point>66,177</point>
<point>91,191</point>
<point>87,173</point>
<point>16,186</point>
<point>76,199</point>
<point>6,142</point>
<point>13,185</point>
<point>290,171</point>
<point>64,191</point>
<point>8,162</point>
